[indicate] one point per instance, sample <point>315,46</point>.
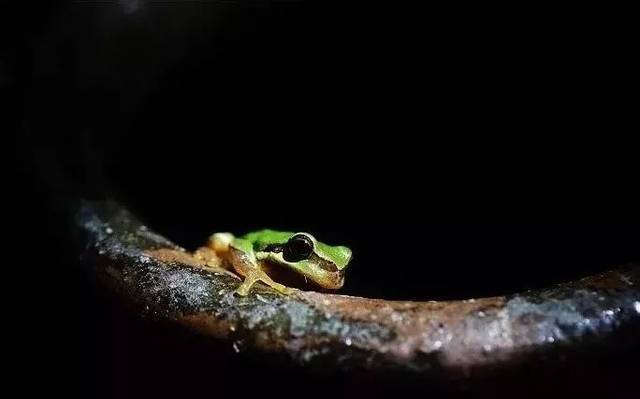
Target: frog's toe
<point>282,289</point>
<point>242,291</point>
<point>245,287</point>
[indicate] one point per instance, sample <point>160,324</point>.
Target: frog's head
<point>321,263</point>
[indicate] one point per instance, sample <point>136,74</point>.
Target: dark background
<point>459,153</point>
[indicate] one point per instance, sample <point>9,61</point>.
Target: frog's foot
<point>258,275</point>
<point>212,262</point>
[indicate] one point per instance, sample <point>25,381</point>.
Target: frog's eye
<point>299,247</point>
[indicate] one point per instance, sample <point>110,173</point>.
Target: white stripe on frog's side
<point>263,255</point>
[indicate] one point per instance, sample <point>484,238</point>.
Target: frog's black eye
<point>299,247</point>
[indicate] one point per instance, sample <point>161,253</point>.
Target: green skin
<point>253,253</point>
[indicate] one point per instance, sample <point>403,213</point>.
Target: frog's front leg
<point>240,255</point>
<point>253,275</point>
<point>243,259</point>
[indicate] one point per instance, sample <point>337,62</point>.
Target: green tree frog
<point>261,255</point>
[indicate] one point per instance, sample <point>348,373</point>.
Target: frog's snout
<point>344,257</point>
<point>348,254</point>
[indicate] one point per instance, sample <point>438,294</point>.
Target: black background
<point>457,152</point>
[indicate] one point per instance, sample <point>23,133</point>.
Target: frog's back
<point>262,238</point>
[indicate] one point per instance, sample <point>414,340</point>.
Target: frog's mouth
<point>323,278</point>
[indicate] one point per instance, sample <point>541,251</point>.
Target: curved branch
<point>453,337</point>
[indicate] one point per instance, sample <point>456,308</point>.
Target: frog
<point>256,255</point>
